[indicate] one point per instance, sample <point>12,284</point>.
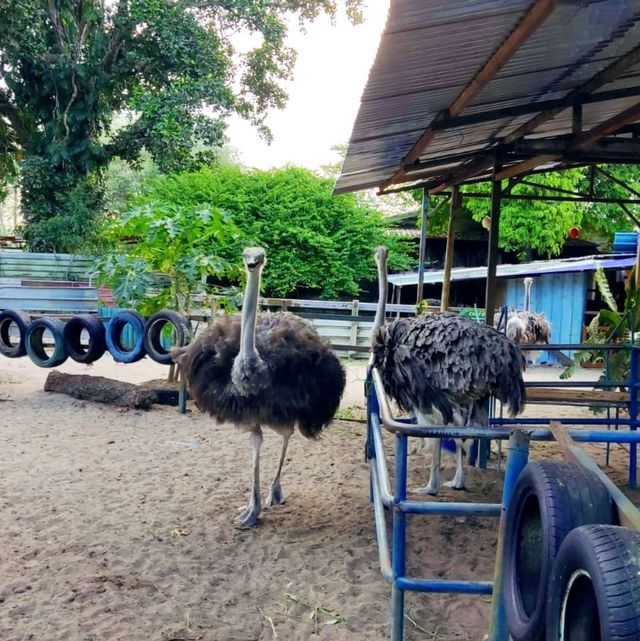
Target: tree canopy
<point>67,66</point>
<point>315,242</point>
<point>543,225</point>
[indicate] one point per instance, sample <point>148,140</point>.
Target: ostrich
<point>269,370</point>
<point>443,368</point>
<point>526,326</point>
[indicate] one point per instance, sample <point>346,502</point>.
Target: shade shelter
<point>498,90</point>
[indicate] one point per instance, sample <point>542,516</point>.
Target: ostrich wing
<point>443,361</point>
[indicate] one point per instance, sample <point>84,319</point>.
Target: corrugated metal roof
<point>560,265</point>
<point>431,50</point>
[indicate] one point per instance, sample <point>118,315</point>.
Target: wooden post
<point>423,245</point>
<point>214,308</point>
<point>353,336</point>
<point>398,298</point>
<point>492,259</point>
<point>456,203</point>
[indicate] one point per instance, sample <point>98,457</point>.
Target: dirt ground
<point>117,525</point>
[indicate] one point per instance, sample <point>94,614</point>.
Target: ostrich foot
<point>275,497</point>
<point>431,488</point>
<point>457,483</point>
<point>248,517</point>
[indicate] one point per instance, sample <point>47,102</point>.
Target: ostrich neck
<point>382,295</point>
<point>249,312</point>
<point>527,296</point>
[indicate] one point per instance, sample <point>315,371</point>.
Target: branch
<point>14,118</point>
<point>57,25</point>
<point>74,95</point>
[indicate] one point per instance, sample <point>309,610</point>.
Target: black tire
<point>97,343</point>
<point>153,331</point>
<point>116,325</point>
<point>550,499</point>
<point>21,321</point>
<point>34,343</point>
<point>594,592</point>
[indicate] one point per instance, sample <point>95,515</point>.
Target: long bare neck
<point>527,295</point>
<point>382,294</point>
<point>249,312</point>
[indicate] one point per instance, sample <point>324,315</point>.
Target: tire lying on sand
<point>97,344</point>
<point>550,499</point>
<point>153,334</point>
<point>20,321</point>
<point>34,342</point>
<point>115,334</point>
<point>594,592</point>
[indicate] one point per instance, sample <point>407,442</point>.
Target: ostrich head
<point>380,255</point>
<point>248,371</point>
<point>254,259</point>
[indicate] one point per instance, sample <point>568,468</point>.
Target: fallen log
<point>100,390</point>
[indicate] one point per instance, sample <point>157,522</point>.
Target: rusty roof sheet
<point>431,50</point>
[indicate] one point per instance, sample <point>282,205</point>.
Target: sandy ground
<point>117,525</point>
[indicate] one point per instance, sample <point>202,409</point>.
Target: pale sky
<point>330,74</point>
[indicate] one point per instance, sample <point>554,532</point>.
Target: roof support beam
<point>612,72</point>
<point>580,141</point>
<point>539,11</point>
<point>608,74</point>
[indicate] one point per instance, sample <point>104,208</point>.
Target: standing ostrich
<point>526,326</point>
<point>268,370</point>
<point>443,368</point>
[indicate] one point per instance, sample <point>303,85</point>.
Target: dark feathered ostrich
<point>443,368</point>
<point>269,370</point>
<point>526,326</point>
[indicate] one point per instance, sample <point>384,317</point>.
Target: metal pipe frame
<point>393,560</point>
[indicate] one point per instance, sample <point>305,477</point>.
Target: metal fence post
<point>516,460</point>
<point>398,562</point>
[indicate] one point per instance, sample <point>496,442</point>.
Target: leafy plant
<point>610,326</point>
<point>162,254</point>
<point>316,243</point>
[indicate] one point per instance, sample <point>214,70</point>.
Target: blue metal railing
<point>393,560</point>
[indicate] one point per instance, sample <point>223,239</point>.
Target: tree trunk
<point>100,389</point>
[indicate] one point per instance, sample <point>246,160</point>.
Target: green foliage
<point>175,248</point>
<point>538,225</point>
<point>610,326</point>
<point>67,66</point>
<point>124,182</point>
<point>601,220</point>
<point>314,241</point>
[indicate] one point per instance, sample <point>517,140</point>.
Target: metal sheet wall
<point>561,298</point>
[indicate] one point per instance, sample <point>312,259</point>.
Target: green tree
<point>162,253</point>
<point>314,241</point>
<point>539,225</point>
<point>67,66</point>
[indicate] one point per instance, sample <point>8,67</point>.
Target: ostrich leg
<point>457,483</point>
<point>276,497</point>
<point>433,486</point>
<point>248,516</point>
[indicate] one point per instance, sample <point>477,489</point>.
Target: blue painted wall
<point>561,298</point>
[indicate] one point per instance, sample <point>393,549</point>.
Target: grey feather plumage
<point>448,363</point>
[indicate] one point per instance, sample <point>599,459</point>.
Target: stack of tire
<point>147,337</point>
<point>569,572</point>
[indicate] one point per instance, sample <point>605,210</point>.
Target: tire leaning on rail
<point>594,592</point>
<point>153,334</point>
<point>21,321</point>
<point>550,499</point>
<point>35,344</point>
<point>116,325</point>
<point>97,345</point>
